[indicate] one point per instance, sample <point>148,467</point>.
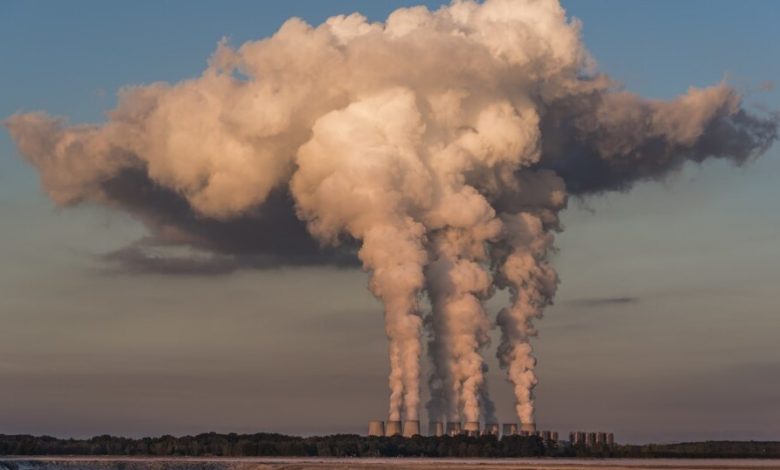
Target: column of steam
<point>337,192</point>
<point>444,389</point>
<point>462,221</point>
<point>458,281</point>
<point>531,283</point>
<point>458,319</point>
<point>395,260</point>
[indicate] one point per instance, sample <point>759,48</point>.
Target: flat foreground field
<point>282,463</point>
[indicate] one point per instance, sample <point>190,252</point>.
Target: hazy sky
<point>665,327</point>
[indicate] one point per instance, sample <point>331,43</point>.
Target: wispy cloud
<point>603,301</point>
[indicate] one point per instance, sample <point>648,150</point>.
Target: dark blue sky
<point>690,354</point>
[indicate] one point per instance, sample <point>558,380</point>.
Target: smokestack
<point>436,428</point>
<point>472,428</point>
<point>491,429</point>
<point>453,428</point>
<point>411,428</point>
<point>509,429</point>
<point>376,428</point>
<point>393,428</point>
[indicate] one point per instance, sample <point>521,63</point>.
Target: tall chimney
<point>411,428</point>
<point>393,428</point>
<point>453,428</point>
<point>436,428</point>
<point>509,429</point>
<point>376,428</point>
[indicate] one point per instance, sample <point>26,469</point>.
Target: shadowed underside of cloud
<point>216,246</point>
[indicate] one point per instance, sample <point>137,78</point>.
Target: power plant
<point>376,428</point>
<point>491,429</point>
<point>471,428</point>
<point>527,429</point>
<point>411,428</point>
<point>436,428</point>
<point>393,428</point>
<point>509,429</point>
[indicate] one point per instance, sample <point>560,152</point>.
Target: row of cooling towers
<point>411,428</point>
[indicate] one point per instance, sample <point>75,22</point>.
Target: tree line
<point>350,445</point>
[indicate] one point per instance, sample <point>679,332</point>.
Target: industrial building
<point>471,428</point>
<point>491,429</point>
<point>592,439</point>
<point>411,428</point>
<point>436,428</point>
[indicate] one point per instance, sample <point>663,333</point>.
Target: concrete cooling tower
<point>411,428</point>
<point>509,429</point>
<point>376,428</point>
<point>491,429</point>
<point>393,428</point>
<point>453,428</point>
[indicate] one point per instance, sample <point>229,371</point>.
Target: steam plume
<point>440,146</point>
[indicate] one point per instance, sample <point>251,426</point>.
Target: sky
<point>664,327</point>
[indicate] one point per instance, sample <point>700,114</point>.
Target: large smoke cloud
<point>438,147</point>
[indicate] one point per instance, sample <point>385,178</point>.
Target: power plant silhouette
<point>411,428</point>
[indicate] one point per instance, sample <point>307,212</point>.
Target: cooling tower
<point>509,429</point>
<point>411,428</point>
<point>601,438</point>
<point>591,439</point>
<point>610,439</point>
<point>472,428</point>
<point>376,428</point>
<point>528,428</point>
<point>580,438</point>
<point>573,438</point>
<point>436,428</point>
<point>546,435</point>
<point>453,428</point>
<point>554,436</point>
<point>491,429</point>
<point>393,428</point>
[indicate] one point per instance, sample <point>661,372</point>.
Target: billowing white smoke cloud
<point>443,143</point>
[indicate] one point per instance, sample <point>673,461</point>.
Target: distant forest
<point>348,445</point>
